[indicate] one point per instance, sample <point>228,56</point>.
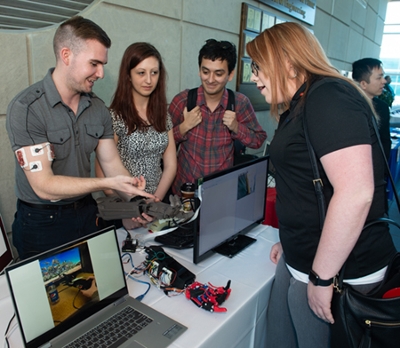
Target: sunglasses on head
<point>223,44</point>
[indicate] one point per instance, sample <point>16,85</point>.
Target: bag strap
<point>192,99</point>
<point>231,100</point>
<point>317,181</point>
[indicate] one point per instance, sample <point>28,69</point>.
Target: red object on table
<point>270,212</point>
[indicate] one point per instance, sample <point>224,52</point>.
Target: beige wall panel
<point>339,64</point>
<point>40,45</point>
<point>354,46</point>
<point>322,27</point>
<point>342,10</point>
<point>325,5</point>
<point>7,195</point>
<point>216,14</point>
<point>380,24</point>
<point>369,49</point>
<point>339,34</point>
<point>374,4</point>
<point>170,8</point>
<point>13,67</point>
<point>359,14</point>
<point>370,24</point>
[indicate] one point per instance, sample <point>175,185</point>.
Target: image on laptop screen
<point>64,277</point>
<point>232,202</point>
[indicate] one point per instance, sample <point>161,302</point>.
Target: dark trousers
<point>36,230</point>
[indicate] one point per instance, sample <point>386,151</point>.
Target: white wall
<point>178,28</point>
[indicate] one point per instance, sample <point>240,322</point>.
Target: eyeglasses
<point>254,68</point>
<point>223,44</point>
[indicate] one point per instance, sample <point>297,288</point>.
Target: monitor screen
<point>232,202</point>
<point>6,256</point>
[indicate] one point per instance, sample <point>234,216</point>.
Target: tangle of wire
<point>161,278</point>
<point>136,271</point>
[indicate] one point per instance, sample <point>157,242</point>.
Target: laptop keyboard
<point>114,331</point>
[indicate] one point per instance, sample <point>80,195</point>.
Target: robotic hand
<point>112,208</point>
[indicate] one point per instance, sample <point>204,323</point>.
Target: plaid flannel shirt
<point>208,147</point>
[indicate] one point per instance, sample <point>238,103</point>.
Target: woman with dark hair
<point>142,126</point>
<point>294,75</point>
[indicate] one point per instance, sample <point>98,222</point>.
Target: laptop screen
<point>57,286</point>
<point>232,202</point>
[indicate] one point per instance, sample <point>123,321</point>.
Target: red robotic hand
<point>208,297</point>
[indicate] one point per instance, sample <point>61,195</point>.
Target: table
<point>243,325</point>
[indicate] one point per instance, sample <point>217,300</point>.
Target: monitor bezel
<point>197,258</point>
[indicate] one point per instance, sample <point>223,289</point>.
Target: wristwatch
<point>317,281</point>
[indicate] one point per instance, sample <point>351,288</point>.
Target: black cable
<point>73,301</point>
<point>129,236</point>
<point>8,327</point>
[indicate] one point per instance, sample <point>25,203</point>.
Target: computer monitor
<point>232,203</point>
<point>6,256</point>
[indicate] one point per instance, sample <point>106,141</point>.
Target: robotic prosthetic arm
<point>112,208</point>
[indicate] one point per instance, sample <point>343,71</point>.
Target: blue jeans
<point>35,230</point>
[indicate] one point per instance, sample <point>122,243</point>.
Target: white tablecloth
<point>242,326</point>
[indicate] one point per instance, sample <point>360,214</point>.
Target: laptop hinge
<point>121,300</point>
<point>46,345</point>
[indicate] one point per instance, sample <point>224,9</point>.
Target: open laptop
<point>54,307</point>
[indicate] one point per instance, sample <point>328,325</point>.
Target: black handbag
<point>363,321</point>
<point>367,321</point>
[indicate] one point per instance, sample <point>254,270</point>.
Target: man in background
<point>369,74</point>
<point>54,126</point>
<point>205,135</point>
<point>388,93</point>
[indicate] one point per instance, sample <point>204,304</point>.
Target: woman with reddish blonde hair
<point>294,75</point>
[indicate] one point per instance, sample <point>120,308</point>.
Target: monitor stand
<point>235,245</point>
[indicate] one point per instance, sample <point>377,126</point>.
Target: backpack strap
<point>231,100</point>
<point>192,99</point>
<point>239,148</point>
